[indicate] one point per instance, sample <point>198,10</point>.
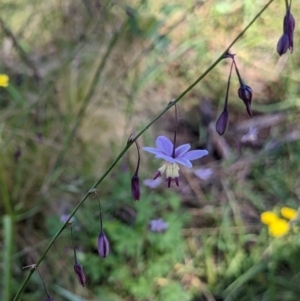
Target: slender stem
<point>129,143</point>
<point>175,132</point>
<point>8,233</point>
<point>48,295</point>
<point>101,222</point>
<point>228,86</point>
<point>238,73</point>
<point>74,248</point>
<point>139,158</point>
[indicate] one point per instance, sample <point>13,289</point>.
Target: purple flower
<point>167,151</point>
<point>203,173</point>
<point>152,184</point>
<point>158,225</point>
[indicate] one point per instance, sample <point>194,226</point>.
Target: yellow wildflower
<point>268,217</point>
<point>288,213</point>
<point>4,80</point>
<point>279,227</point>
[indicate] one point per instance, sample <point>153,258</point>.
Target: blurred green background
<point>84,75</point>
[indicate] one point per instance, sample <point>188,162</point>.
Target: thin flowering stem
<point>175,132</point>
<point>129,143</point>
<point>238,73</point>
<point>101,222</point>
<point>48,295</point>
<point>228,86</point>
<point>139,158</point>
<point>75,256</point>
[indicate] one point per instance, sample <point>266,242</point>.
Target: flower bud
<point>288,28</point>
<point>103,245</point>
<point>245,94</point>
<point>17,154</point>
<point>79,273</point>
<point>40,137</point>
<point>135,187</point>
<point>222,122</point>
<point>283,44</point>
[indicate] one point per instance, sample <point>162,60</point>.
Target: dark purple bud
<point>245,94</point>
<point>288,23</point>
<point>290,26</point>
<point>103,245</point>
<point>17,154</point>
<point>40,137</point>
<point>286,41</point>
<point>135,187</point>
<point>222,122</point>
<point>50,299</point>
<point>79,273</point>
<point>283,44</point>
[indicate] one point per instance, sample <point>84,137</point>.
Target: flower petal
<point>164,144</point>
<point>279,227</point>
<point>268,217</point>
<point>182,149</point>
<point>288,213</point>
<point>184,162</point>
<point>203,173</point>
<point>165,157</point>
<point>152,150</point>
<point>195,154</point>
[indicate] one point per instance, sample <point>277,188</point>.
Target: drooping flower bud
<point>40,137</point>
<point>245,94</point>
<point>286,41</point>
<point>288,27</point>
<point>79,273</point>
<point>135,187</point>
<point>17,154</point>
<point>222,122</point>
<point>283,44</point>
<point>135,181</point>
<point>103,245</point>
